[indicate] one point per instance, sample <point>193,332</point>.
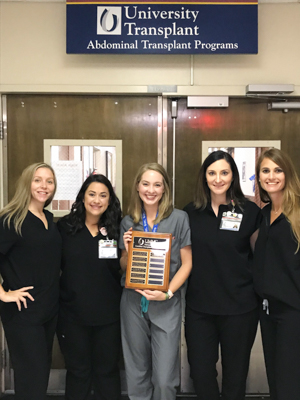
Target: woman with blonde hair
<point>30,247</point>
<point>277,272</point>
<point>151,319</point>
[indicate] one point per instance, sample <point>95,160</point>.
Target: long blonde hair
<point>136,204</point>
<point>16,210</point>
<point>291,192</point>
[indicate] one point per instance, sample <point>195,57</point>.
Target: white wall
<point>33,57</point>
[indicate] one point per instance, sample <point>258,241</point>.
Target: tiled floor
<point>190,397</point>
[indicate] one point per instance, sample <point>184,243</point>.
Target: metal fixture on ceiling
<point>269,90</point>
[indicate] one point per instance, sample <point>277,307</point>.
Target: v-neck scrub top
<point>276,263</point>
<point>90,289</point>
<point>32,259</point>
<point>221,281</point>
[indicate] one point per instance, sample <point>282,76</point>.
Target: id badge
<point>231,221</point>
<point>108,249</point>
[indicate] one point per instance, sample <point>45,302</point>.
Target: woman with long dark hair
<point>90,292</point>
<point>277,272</point>
<point>221,305</point>
<point>30,247</point>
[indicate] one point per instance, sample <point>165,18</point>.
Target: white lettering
<point>169,46</point>
<point>215,46</point>
<point>161,31</point>
<point>90,45</point>
<point>132,12</point>
<point>107,46</point>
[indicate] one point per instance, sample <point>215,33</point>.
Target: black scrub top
<point>276,263</point>
<point>32,259</point>
<point>90,289</point>
<point>221,280</point>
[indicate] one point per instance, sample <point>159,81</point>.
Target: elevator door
<point>244,120</point>
<point>33,118</point>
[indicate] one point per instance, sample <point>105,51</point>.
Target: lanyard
<point>233,205</point>
<point>144,301</point>
<point>145,223</point>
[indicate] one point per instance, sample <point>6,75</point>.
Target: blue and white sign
<point>188,27</point>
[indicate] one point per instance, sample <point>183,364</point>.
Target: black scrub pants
<point>30,349</point>
<point>281,343</point>
<point>91,355</point>
<point>235,334</point>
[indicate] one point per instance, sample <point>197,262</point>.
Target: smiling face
<point>271,176</point>
<point>151,188</point>
<point>219,177</point>
<point>42,185</point>
<point>96,199</point>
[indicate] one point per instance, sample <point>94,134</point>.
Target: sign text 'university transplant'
<point>168,27</point>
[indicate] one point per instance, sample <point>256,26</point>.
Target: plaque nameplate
<point>148,265</point>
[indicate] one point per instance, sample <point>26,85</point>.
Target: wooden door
<point>33,118</point>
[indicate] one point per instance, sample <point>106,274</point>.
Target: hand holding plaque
<point>148,265</point>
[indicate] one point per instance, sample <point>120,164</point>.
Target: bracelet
<point>170,293</point>
<point>167,296</point>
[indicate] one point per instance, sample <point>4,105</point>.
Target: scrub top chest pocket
<point>108,248</point>
<point>231,221</point>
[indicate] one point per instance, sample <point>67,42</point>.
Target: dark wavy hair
<point>110,219</point>
<point>202,192</point>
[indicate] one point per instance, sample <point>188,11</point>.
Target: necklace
<point>276,212</point>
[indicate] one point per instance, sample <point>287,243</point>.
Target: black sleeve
<point>256,214</point>
<point>8,237</point>
<point>188,208</point>
<point>59,225</point>
<point>63,226</point>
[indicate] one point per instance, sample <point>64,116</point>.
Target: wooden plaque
<point>148,265</point>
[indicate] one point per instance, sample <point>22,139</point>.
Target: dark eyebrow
<point>222,170</point>
<point>93,191</point>
<point>144,180</point>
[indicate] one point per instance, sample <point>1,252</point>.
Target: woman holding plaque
<point>151,319</point>
<point>30,247</point>
<point>89,319</point>
<point>277,272</point>
<point>221,305</point>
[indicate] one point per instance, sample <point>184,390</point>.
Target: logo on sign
<point>109,20</point>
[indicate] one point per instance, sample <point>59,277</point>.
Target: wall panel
<point>32,118</point>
